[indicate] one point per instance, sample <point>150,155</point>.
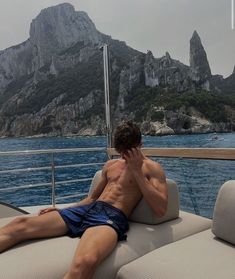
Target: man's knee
<point>85,262</point>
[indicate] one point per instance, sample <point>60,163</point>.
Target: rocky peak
<point>149,58</point>
<point>167,55</point>
<point>150,70</point>
<point>234,70</point>
<point>166,61</point>
<point>196,37</point>
<point>200,69</point>
<point>59,27</point>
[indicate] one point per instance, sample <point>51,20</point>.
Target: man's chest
<point>122,174</point>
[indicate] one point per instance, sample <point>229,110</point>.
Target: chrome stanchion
<point>53,180</point>
<point>107,92</point>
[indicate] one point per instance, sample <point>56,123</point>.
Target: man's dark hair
<point>127,135</point>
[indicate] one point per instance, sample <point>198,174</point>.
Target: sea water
<point>198,180</point>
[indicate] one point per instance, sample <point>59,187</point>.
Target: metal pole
<point>52,180</point>
<point>107,91</point>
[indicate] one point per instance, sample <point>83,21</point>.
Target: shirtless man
<point>101,218</point>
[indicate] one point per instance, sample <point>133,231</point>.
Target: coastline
<point>103,135</point>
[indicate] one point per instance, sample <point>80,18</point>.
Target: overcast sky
<point>156,25</point>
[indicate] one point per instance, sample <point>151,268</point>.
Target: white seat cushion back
<point>95,181</point>
<point>224,213</point>
<point>144,214</point>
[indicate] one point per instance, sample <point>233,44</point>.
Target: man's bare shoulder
<point>153,167</point>
<point>109,163</point>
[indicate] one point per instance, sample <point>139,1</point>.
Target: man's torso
<point>122,190</point>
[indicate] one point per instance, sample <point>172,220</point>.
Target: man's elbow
<point>161,210</point>
<point>161,213</point>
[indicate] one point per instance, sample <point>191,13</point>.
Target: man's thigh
<point>47,225</point>
<point>98,241</point>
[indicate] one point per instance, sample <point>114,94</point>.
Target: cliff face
<point>199,65</point>
<point>53,30</point>
<point>166,72</point>
<point>53,83</point>
<point>57,28</point>
<point>15,62</point>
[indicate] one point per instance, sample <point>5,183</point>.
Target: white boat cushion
<point>224,213</point>
<point>143,213</point>
<point>51,258</point>
<point>7,210</point>
<point>199,256</point>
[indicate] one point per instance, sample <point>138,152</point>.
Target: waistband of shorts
<point>112,207</point>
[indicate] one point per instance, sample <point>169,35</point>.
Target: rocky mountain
<point>52,84</point>
<point>199,65</point>
<point>54,29</point>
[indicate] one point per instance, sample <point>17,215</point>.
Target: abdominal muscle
<point>121,190</point>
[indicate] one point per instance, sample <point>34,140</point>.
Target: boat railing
<point>189,153</point>
<point>53,167</point>
<point>186,153</point>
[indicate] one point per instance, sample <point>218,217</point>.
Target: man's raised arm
<point>153,187</point>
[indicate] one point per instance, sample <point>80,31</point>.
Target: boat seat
<point>7,210</point>
<point>51,258</point>
<point>209,254</point>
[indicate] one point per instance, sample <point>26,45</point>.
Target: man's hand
<point>134,159</point>
<point>46,210</point>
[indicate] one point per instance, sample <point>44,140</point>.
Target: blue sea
<point>198,180</point>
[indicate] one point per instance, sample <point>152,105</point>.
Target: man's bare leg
<point>95,245</point>
<point>25,228</point>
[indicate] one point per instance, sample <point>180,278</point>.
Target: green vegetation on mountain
<point>212,106</point>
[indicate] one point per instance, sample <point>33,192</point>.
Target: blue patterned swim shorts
<point>98,213</point>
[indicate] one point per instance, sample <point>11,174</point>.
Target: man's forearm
<point>143,183</point>
<point>151,194</point>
